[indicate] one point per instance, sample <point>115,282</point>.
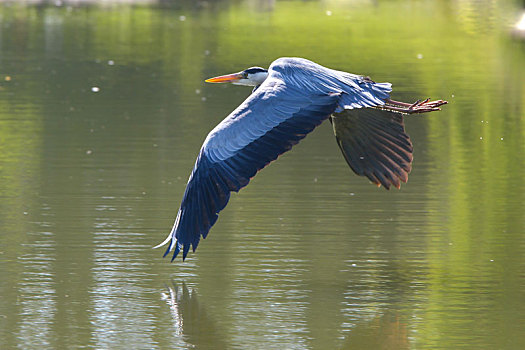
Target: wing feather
<point>374,144</point>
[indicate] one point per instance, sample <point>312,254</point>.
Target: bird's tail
<point>370,93</point>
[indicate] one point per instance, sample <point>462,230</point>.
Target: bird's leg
<point>397,103</point>
<point>416,107</point>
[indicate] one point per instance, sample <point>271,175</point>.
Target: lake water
<point>103,111</point>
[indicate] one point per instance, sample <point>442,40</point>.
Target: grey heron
<point>290,99</point>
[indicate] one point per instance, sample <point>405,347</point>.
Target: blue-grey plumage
<point>291,98</point>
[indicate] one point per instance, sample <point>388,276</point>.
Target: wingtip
<point>163,242</point>
<point>185,251</point>
<point>176,252</point>
<point>170,247</point>
<point>166,252</point>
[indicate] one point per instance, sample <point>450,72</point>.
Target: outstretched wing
<point>374,144</point>
<point>296,97</point>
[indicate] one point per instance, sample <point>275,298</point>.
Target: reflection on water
<point>39,293</point>
<point>190,319</point>
<point>104,110</point>
<point>115,288</point>
<point>383,332</point>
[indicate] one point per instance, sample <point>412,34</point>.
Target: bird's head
<point>253,76</point>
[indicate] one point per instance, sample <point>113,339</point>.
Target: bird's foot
<point>416,107</point>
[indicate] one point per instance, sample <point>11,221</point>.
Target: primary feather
<point>374,144</point>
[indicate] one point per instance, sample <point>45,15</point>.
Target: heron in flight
<point>289,100</point>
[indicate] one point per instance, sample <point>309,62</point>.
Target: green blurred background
<point>103,110</point>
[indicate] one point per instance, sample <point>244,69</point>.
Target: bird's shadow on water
<point>385,331</point>
<point>190,319</point>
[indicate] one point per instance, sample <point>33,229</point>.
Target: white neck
<point>253,79</point>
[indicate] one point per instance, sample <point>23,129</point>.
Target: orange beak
<point>225,78</point>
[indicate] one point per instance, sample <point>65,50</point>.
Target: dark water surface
<point>103,110</point>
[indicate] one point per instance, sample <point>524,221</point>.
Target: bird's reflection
<point>190,319</point>
<point>389,320</point>
<point>386,331</point>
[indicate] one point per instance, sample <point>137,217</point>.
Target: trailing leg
<point>410,108</point>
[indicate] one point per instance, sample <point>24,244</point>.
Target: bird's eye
<point>245,75</point>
